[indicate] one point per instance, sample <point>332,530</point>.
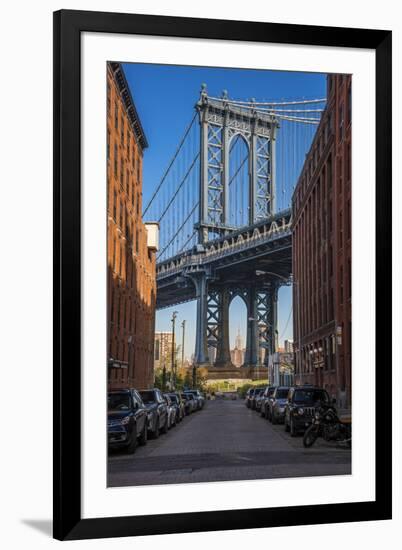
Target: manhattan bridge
<point>223,207</point>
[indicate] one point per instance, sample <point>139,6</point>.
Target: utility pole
<point>174,315</point>
<point>183,325</point>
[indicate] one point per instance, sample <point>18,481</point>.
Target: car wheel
<point>286,425</point>
<point>144,436</point>
<point>293,432</point>
<point>262,412</point>
<point>133,442</point>
<point>166,426</point>
<point>273,418</point>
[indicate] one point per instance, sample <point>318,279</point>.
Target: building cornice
<point>120,78</point>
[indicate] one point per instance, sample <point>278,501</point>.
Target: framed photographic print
<point>222,198</point>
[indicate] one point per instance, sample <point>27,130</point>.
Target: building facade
<point>321,208</point>
<point>130,253</point>
<point>163,350</point>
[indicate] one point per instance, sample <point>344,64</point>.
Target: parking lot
<point>225,441</point>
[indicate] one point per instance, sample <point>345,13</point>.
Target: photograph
<point>229,274</point>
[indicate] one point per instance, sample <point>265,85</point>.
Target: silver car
<point>277,404</point>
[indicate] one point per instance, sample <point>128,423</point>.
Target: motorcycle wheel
<point>310,436</point>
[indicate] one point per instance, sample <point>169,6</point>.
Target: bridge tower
<point>220,122</point>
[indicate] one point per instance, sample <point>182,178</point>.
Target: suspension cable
<point>177,232</point>
<point>171,163</point>
<point>179,187</point>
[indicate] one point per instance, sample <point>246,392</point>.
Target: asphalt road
<point>225,441</point>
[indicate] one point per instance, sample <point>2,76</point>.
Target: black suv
<point>157,411</point>
<point>300,407</point>
<point>127,419</point>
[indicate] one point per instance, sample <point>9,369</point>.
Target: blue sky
<point>165,96</point>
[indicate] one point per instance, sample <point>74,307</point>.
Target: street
<point>225,441</point>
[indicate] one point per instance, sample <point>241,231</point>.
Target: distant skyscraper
<point>288,345</point>
<point>237,354</point>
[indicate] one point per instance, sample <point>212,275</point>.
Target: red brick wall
<point>131,266</point>
<point>322,251</point>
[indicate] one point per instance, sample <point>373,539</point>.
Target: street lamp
<point>130,369</point>
<point>174,315</point>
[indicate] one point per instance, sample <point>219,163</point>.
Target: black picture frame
<point>68,26</point>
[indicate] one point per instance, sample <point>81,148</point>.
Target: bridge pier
<point>200,280</point>
<point>223,359</point>
<point>251,355</point>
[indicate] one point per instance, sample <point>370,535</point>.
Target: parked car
<point>253,399</point>
<point>249,395</point>
<point>258,399</point>
<point>189,402</point>
<point>157,411</point>
<point>200,399</point>
<point>177,400</point>
<point>277,404</point>
<point>300,407</point>
<point>127,420</point>
<point>266,397</point>
<point>172,410</point>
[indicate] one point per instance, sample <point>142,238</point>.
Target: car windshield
<point>148,396</point>
<point>173,398</point>
<point>310,396</point>
<point>271,391</point>
<point>282,394</point>
<point>118,402</point>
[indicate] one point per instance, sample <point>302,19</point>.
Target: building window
<point>340,174</point>
<point>329,172</point>
<point>341,122</point>
<point>330,216</point>
<point>122,130</point>
<point>127,182</point>
<point>108,145</point>
<point>331,304</point>
<point>114,205</point>
<point>137,241</point>
<point>348,162</point>
<point>121,171</point>
<point>116,115</point>
<point>128,144</point>
<point>112,304</point>
<point>115,160</point>
<point>108,97</point>
<point>121,215</point>
<point>114,255</point>
<point>341,285</point>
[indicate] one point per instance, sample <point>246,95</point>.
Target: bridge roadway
<point>241,445</point>
<point>231,260</point>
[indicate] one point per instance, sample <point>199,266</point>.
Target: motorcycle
<point>329,426</point>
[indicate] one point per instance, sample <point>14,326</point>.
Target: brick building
<point>131,261</point>
<point>322,251</point>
